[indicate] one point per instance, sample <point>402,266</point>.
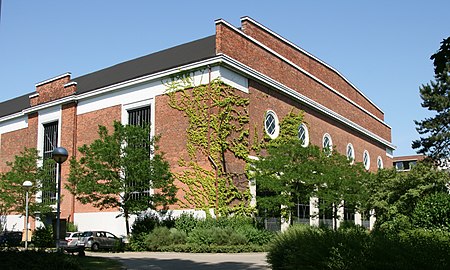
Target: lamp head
<point>60,154</point>
<point>27,185</point>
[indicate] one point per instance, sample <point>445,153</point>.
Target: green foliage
<point>304,247</point>
<point>288,172</point>
<point>233,234</point>
<point>145,224</point>
<point>218,119</point>
<point>117,165</point>
<point>33,260</point>
<point>186,222</point>
<point>436,97</point>
<point>160,236</point>
<point>43,237</point>
<point>25,168</point>
<point>433,212</point>
<point>394,195</point>
<point>72,227</point>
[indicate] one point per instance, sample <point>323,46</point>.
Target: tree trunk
<point>127,224</point>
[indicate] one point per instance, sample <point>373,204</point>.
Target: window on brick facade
<point>303,134</point>
<point>327,144</point>
<point>366,159</point>
<point>139,117</point>
<point>350,153</point>
<point>271,124</point>
<point>379,163</point>
<point>50,142</point>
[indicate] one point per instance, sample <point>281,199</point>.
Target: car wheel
<point>95,247</point>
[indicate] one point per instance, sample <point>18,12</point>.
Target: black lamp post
<point>60,155</point>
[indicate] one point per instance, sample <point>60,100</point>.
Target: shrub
<point>177,236</point>
<point>145,224</point>
<point>43,237</point>
<point>433,212</point>
<point>255,236</point>
<point>13,259</point>
<point>186,222</point>
<point>159,237</point>
<point>354,248</point>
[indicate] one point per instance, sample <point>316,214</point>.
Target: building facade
<point>274,74</point>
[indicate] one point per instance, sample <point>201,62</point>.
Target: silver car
<point>96,240</point>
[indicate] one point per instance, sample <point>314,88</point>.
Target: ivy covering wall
<point>217,144</point>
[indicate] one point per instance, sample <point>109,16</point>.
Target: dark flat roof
<point>170,58</point>
<point>176,56</point>
<point>15,105</point>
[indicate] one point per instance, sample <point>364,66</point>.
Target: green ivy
<point>218,128</point>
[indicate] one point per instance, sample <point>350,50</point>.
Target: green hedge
<point>30,260</point>
<point>226,234</point>
<point>320,248</point>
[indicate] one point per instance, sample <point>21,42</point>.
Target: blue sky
<point>383,47</point>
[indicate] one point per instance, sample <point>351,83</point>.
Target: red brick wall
<point>309,64</point>
<point>262,99</point>
<point>52,90</point>
<point>87,132</point>
<point>227,40</point>
<point>14,142</point>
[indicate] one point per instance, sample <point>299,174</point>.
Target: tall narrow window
<point>327,144</point>
<point>271,124</point>
<point>303,134</point>
<point>350,153</point>
<point>366,159</point>
<point>138,117</point>
<point>379,163</point>
<point>50,142</point>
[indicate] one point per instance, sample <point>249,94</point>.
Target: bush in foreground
<point>355,248</point>
<point>30,260</point>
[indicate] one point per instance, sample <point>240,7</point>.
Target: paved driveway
<point>187,261</point>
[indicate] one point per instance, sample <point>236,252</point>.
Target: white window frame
<point>366,160</point>
<point>330,146</point>
<point>305,142</point>
<point>380,164</point>
<point>276,131</point>
<point>352,156</point>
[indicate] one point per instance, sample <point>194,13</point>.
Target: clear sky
<point>383,47</point>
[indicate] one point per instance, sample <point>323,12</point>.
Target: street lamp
<point>26,185</point>
<point>60,155</point>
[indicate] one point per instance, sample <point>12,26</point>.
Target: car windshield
<point>85,234</point>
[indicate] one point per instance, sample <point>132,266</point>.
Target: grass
<point>13,259</point>
<point>95,263</point>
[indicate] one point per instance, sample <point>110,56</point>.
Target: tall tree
<point>435,142</point>
<point>122,170</point>
<point>288,171</point>
<point>25,167</point>
<point>394,195</point>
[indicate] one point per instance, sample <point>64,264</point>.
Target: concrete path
<point>187,261</point>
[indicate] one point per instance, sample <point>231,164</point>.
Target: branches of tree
<point>435,142</point>
<point>123,170</point>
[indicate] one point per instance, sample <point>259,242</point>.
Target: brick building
<point>273,73</point>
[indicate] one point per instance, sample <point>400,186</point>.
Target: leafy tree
<point>433,212</point>
<point>25,167</point>
<point>436,97</point>
<point>119,169</point>
<point>288,172</point>
<point>394,195</point>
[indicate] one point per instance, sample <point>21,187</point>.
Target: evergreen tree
<point>435,142</point>
<point>119,170</point>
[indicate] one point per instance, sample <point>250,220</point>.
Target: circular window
<point>303,135</point>
<point>327,143</point>
<point>271,124</point>
<point>379,163</point>
<point>366,160</point>
<point>350,153</point>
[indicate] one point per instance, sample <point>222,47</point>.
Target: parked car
<point>10,238</point>
<point>72,239</point>
<point>96,240</point>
